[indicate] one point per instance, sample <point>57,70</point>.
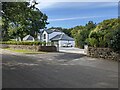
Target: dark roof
<point>28,37</point>
<point>62,37</point>
<point>49,31</point>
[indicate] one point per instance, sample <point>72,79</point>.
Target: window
<point>44,36</point>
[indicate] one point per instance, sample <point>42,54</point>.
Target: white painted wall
<point>39,37</point>
<point>62,42</point>
<point>47,37</point>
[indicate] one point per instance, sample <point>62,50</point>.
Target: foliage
<point>14,17</point>
<point>23,43</point>
<point>103,33</point>
<point>76,30</point>
<point>65,30</point>
<point>81,37</point>
<point>81,33</point>
<point>20,19</point>
<point>90,25</point>
<point>115,44</point>
<point>92,42</point>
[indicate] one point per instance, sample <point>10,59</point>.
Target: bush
<point>115,43</point>
<point>102,42</point>
<point>87,41</point>
<point>93,34</point>
<point>92,42</point>
<point>22,43</point>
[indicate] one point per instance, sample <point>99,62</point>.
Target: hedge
<point>24,43</point>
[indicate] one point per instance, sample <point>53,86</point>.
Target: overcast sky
<point>70,14</point>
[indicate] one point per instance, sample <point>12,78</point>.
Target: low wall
<point>48,48</point>
<point>3,46</point>
<point>105,53</point>
<point>34,48</point>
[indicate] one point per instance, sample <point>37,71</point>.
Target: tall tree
<point>38,20</point>
<point>21,19</point>
<point>90,25</point>
<point>14,15</point>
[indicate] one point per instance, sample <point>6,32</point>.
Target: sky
<point>71,14</point>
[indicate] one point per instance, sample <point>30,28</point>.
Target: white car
<point>67,45</point>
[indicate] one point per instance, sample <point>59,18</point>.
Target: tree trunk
<point>21,38</point>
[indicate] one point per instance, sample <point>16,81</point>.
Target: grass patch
<point>24,51</point>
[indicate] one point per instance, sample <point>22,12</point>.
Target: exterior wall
<point>34,48</point>
<point>62,42</point>
<point>54,34</point>
<point>47,37</point>
<point>39,37</point>
<point>105,53</point>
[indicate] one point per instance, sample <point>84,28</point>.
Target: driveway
<point>71,50</point>
<point>57,70</point>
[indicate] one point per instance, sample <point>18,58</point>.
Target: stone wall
<point>34,48</point>
<point>3,46</point>
<point>48,48</point>
<point>105,53</point>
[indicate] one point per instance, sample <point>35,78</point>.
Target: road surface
<point>72,50</point>
<point>57,70</point>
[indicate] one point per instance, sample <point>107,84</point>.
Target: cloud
<point>107,4</point>
<point>55,3</point>
<point>43,5</point>
<point>78,0</point>
<point>74,18</point>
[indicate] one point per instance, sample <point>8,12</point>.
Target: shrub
<point>115,43</point>
<point>93,34</point>
<point>87,41</point>
<point>102,42</point>
<point>92,42</point>
<point>22,43</point>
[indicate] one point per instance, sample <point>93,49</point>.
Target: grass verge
<point>24,51</point>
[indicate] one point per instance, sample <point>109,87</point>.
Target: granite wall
<point>105,53</point>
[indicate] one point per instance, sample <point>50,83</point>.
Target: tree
<point>38,21</point>
<point>65,30</point>
<point>81,37</point>
<point>23,18</point>
<point>104,33</point>
<point>115,44</point>
<point>90,25</point>
<point>15,16</point>
<point>76,30</point>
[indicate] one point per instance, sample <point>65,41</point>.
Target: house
<point>28,38</point>
<point>57,37</point>
<point>63,40</point>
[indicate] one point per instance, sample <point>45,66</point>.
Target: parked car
<point>67,45</point>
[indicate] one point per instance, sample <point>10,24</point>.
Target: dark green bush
<point>115,43</point>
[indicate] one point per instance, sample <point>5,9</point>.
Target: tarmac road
<point>57,70</point>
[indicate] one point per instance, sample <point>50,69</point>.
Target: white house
<point>55,36</point>
<point>58,38</point>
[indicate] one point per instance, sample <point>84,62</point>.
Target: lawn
<point>24,51</point>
